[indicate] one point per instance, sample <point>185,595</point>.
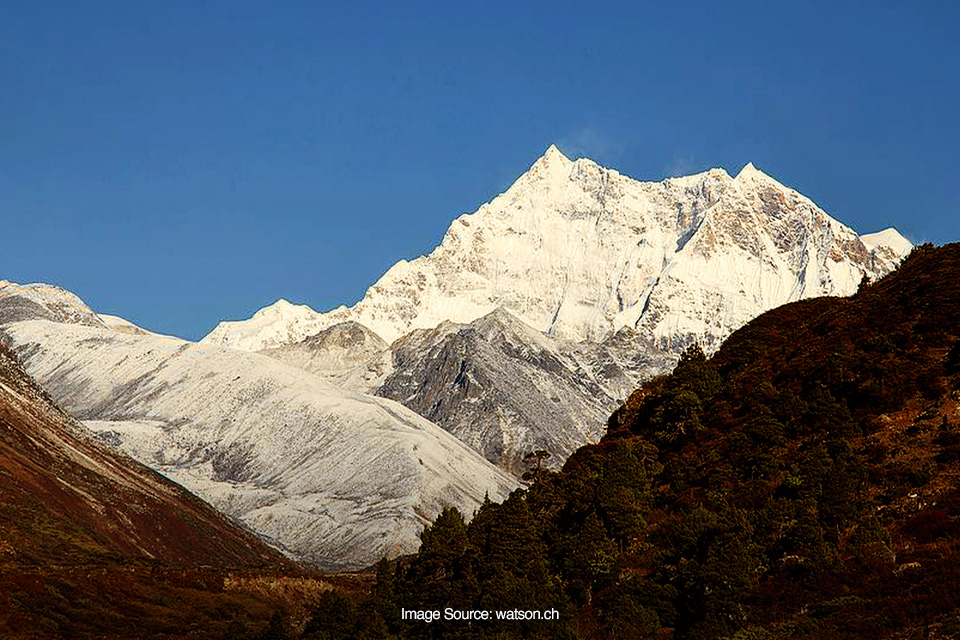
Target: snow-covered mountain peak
<point>750,177</point>
<point>281,307</point>
<point>749,170</point>
<point>39,300</point>
<point>553,155</point>
<point>889,238</point>
<point>577,251</point>
<point>280,323</point>
<point>548,173</point>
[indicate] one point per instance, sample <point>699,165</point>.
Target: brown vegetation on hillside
<point>95,545</point>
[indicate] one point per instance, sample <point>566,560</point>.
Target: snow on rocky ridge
<point>578,251</point>
<point>506,389</point>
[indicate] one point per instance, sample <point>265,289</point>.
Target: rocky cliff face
<point>506,389</point>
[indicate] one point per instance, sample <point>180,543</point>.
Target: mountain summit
<point>579,251</point>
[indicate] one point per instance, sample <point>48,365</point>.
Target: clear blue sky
<point>179,163</point>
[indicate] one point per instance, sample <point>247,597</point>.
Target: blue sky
<point>179,163</point>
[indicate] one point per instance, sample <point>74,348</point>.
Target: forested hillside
<point>802,483</point>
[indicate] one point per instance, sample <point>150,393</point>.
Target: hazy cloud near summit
<point>590,141</point>
<point>682,164</point>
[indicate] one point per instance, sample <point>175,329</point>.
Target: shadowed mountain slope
<point>506,389</point>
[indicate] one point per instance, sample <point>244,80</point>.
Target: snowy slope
<point>122,325</point>
<point>69,500</point>
<point>579,251</point>
<point>332,477</point>
<point>43,301</point>
<point>347,355</point>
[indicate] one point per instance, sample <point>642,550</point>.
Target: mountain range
<point>578,251</point>
<point>337,436</point>
<point>562,294</point>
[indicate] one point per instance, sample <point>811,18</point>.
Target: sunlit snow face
<point>578,251</point>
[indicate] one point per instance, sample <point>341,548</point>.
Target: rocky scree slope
<point>506,389</point>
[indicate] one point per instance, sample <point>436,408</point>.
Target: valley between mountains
<point>337,436</point>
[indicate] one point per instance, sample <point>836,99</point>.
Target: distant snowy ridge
<point>122,325</point>
<point>44,301</point>
<point>890,240</point>
<point>40,300</point>
<point>579,251</point>
<point>275,325</point>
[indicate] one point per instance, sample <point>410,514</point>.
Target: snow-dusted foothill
<point>40,301</point>
<point>347,354</point>
<point>331,477</point>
